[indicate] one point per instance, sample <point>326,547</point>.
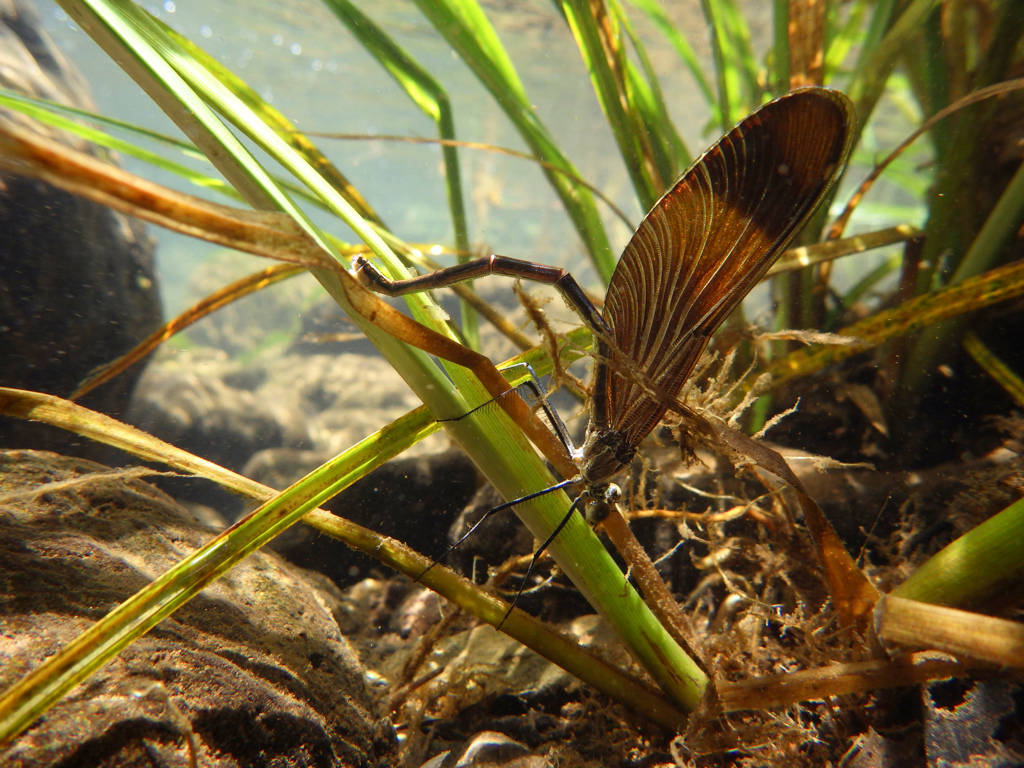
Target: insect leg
<point>540,550</point>
<point>537,395</point>
<point>377,281</point>
<point>499,508</point>
<point>554,420</point>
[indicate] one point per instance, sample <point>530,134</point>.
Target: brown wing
<point>709,240</point>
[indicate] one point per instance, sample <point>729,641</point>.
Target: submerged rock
<point>253,670</point>
<point>79,284</point>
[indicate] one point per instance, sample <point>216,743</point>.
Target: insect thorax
<point>604,454</point>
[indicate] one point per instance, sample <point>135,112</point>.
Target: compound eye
<point>597,509</point>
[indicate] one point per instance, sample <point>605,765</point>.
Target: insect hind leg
<point>494,510</point>
<point>540,551</point>
<point>537,396</point>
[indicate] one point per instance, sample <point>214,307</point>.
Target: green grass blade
<point>877,60</point>
<point>433,101</point>
<point>975,293</point>
<point>271,118</point>
<point>56,115</point>
<point>999,229</point>
<point>39,107</point>
<point>845,38</point>
<point>644,92</point>
<point>780,71</point>
<point>653,10</point>
<point>605,60</point>
<point>976,568</point>
<point>498,448</point>
<point>997,370</point>
<point>42,112</point>
<point>668,154</point>
<point>463,24</point>
<point>725,82</point>
<point>735,67</point>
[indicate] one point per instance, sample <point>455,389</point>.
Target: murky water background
<point>299,57</point>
